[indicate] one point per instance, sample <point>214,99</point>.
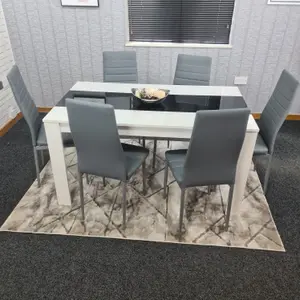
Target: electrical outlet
<point>240,80</point>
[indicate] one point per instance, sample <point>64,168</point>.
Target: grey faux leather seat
<point>31,116</point>
<point>99,150</point>
<point>273,117</point>
<point>119,66</point>
<point>193,70</point>
<point>260,146</point>
<point>212,156</point>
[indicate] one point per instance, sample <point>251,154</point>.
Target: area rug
<point>149,217</point>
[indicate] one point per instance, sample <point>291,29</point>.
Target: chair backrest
<point>232,102</point>
<point>120,66</point>
<point>95,134</point>
<point>90,99</point>
<point>193,70</point>
<point>25,102</point>
<point>277,108</point>
<point>215,147</point>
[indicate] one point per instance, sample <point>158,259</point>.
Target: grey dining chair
<point>273,117</point>
<point>99,150</point>
<point>31,116</point>
<point>193,70</point>
<point>119,66</point>
<point>212,155</point>
<point>95,100</point>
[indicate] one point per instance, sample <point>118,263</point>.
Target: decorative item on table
<point>150,95</point>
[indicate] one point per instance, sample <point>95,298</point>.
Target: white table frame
<point>134,123</point>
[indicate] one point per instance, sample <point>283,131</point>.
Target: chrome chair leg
<point>42,157</point>
<point>267,174</point>
<point>81,196</point>
<point>209,188</point>
<point>154,154</point>
<point>37,168</point>
<point>124,205</point>
<point>166,179</point>
<point>104,181</point>
<point>87,178</point>
<point>143,142</point>
<point>144,177</point>
<point>230,196</point>
<point>181,211</point>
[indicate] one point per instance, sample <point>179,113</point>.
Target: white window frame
<point>79,3</point>
<point>129,43</point>
<point>284,2</point>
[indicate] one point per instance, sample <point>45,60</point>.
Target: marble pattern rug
<point>149,217</point>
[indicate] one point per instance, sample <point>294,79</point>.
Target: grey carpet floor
<point>59,267</point>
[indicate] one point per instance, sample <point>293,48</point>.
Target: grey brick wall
<point>7,103</point>
<point>56,46</point>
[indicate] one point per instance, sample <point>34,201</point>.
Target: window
<point>180,21</point>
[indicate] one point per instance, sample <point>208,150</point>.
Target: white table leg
<point>242,172</point>
<point>57,159</point>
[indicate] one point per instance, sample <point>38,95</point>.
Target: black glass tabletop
<point>168,104</point>
<point>171,103</point>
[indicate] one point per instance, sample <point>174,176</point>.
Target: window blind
<point>180,21</point>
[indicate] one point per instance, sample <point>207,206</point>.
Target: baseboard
<point>4,129</point>
<point>293,117</point>
<point>256,116</point>
<point>10,124</point>
<point>289,117</point>
<point>44,109</point>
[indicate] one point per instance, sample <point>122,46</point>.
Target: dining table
<point>165,121</point>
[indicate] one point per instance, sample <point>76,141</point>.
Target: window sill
<point>284,2</point>
<point>176,45</point>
